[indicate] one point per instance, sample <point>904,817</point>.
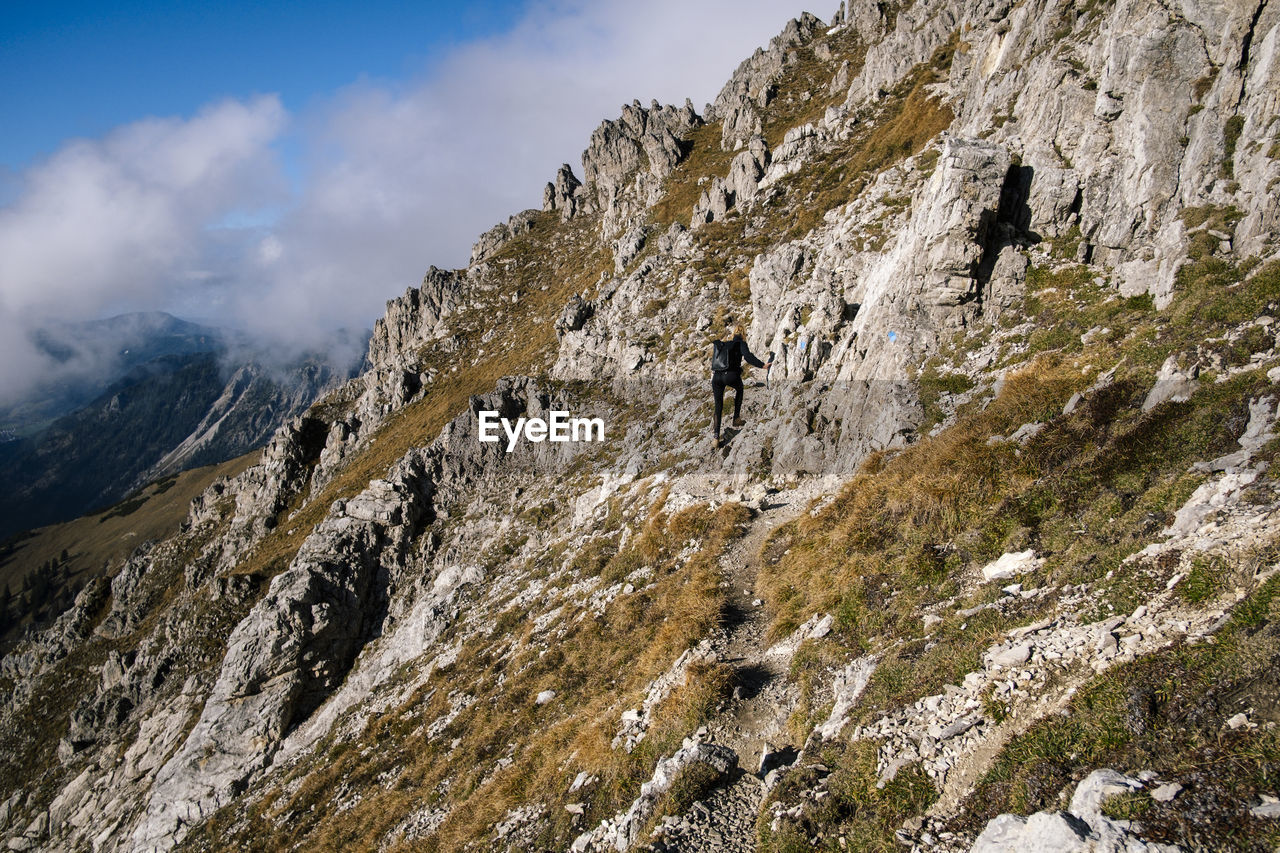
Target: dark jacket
<point>733,354</point>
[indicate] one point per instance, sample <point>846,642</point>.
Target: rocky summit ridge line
<point>991,565</point>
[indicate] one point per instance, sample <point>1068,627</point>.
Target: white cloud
<point>118,218</point>
<point>395,176</point>
<point>116,223</point>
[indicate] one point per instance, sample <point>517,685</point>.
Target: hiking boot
<point>739,422</point>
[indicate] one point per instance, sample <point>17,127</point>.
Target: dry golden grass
<point>800,97</point>
<point>900,127</point>
<point>1085,493</point>
<point>926,495</point>
<point>801,94</point>
<point>598,668</point>
<point>704,159</point>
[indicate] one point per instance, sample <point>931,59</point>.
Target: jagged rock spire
<point>562,193</point>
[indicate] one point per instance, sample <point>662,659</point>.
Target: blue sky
<point>285,168</point>
<point>80,69</point>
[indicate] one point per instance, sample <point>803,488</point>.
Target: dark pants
<point>720,380</point>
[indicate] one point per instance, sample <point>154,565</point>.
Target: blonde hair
<point>738,331</point>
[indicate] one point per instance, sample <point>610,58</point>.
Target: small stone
<point>1238,721</point>
<point>1019,654</point>
<point>1269,807</point>
<point>959,727</point>
<point>545,696</point>
<point>1026,432</point>
<point>1165,793</point>
<point>1011,565</point>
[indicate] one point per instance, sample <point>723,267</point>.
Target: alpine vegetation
<point>986,560</point>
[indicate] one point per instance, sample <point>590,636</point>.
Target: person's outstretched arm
<point>747,354</point>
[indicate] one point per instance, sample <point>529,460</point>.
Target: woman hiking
<point>726,372</point>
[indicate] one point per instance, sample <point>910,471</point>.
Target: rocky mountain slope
<point>990,566</point>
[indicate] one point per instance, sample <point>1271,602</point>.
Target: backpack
<point>722,355</point>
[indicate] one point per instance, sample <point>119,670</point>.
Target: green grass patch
<point>1164,712</point>
<point>859,810</point>
<point>1230,137</point>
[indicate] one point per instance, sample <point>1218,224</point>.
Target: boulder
<point>1081,829</point>
<point>1011,566</point>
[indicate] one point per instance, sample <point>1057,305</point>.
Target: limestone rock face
<point>298,644</point>
<point>621,832</point>
<point>862,335</point>
<point>797,144</point>
<point>640,147</point>
<point>562,193</point>
<point>259,494</point>
<point>504,232</point>
<point>628,246</point>
<point>285,658</point>
<point>738,189</point>
<point>414,319</point>
<point>713,204</point>
<point>749,89</point>
<point>1121,129</point>
<point>747,169</point>
<point>574,316</point>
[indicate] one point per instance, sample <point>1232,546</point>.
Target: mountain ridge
<point>102,349</point>
<point>179,394</point>
<point>1014,460</point>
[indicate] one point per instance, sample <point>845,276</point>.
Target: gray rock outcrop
<point>562,193</point>
<point>634,152</point>
<point>749,90</point>
<point>504,232</point>
<point>1081,828</point>
<point>298,644</point>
